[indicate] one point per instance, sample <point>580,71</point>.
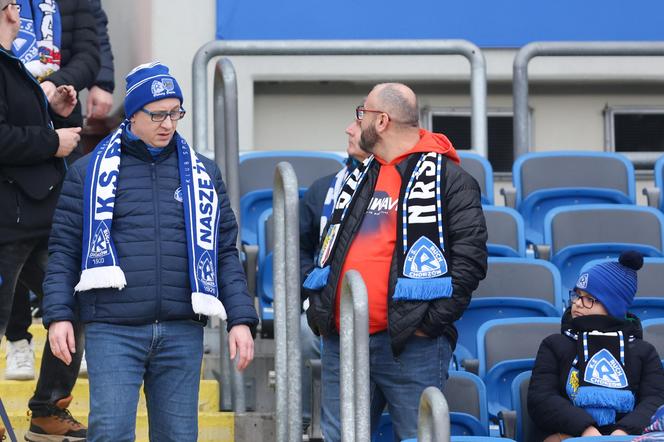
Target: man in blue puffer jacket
<point>142,249</point>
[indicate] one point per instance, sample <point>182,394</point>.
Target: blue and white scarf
<point>100,266</point>
<point>37,44</point>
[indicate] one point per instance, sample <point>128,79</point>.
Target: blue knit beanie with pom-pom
<point>613,283</point>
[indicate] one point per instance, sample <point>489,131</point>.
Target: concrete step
<point>15,396</point>
<point>212,426</point>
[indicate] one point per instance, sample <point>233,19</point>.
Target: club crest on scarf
<point>604,370</point>
<point>205,272</point>
<point>37,44</point>
<point>424,260</point>
<point>101,244</point>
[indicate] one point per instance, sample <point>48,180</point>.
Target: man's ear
<point>382,122</point>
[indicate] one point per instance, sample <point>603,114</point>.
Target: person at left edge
<point>144,235</point>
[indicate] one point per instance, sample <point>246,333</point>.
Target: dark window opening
<point>500,137</point>
<point>638,132</point>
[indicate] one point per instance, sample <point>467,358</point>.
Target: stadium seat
<point>649,300</point>
<point>466,398</point>
<point>257,181</point>
<point>521,426</point>
<point>465,394</point>
<point>656,195</point>
<point>601,439</point>
<point>575,235</point>
<point>501,359</point>
<point>506,232</point>
<point>653,332</point>
<point>480,169</point>
<point>513,287</point>
<point>545,180</point>
<point>264,290</point>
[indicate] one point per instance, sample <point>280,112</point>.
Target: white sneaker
<point>20,361</point>
<point>83,371</point>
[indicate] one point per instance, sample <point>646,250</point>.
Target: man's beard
<point>368,139</point>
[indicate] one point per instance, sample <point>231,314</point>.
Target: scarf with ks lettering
<point>37,44</point>
<point>100,266</point>
<point>424,273</point>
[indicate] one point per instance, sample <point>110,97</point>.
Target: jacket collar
<point>137,148</point>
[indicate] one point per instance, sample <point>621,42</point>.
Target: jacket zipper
<point>155,199</point>
<point>18,203</point>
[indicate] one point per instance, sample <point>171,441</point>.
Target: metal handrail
<point>433,420</point>
<point>340,47</point>
<point>226,133</point>
<point>354,338</point>
<point>286,286</point>
<point>563,48</point>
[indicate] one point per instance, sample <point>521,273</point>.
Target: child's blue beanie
<point>613,283</point>
<point>147,83</point>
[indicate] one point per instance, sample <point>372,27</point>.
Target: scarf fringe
<point>208,305</point>
<point>317,279</point>
<point>101,277</point>
<point>602,403</point>
<point>422,289</point>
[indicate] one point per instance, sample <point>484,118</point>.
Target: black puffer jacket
<point>466,239</point>
<point>548,403</point>
<point>79,50</point>
<point>30,175</point>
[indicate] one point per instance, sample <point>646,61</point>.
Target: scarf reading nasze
<point>100,266</point>
<point>37,44</point>
<point>420,238</point>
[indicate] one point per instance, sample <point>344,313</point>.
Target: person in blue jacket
<point>142,250</point>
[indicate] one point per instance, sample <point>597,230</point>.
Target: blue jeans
<point>397,382</point>
<point>166,357</point>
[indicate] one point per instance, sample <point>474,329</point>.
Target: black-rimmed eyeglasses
<point>18,6</point>
<point>586,301</point>
<point>360,110</point>
<point>161,116</point>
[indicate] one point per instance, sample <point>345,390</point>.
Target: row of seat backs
<point>257,179</point>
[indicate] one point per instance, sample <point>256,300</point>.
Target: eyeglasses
<point>18,7</point>
<point>160,116</point>
<point>586,301</point>
<point>360,110</point>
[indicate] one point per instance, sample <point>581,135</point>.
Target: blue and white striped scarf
<point>100,266</point>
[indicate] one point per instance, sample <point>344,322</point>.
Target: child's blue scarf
<point>37,44</point>
<point>100,266</point>
<point>422,257</point>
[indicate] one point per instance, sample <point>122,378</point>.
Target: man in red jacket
<point>410,220</point>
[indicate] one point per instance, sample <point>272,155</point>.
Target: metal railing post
<point>433,420</point>
<point>286,288</point>
<point>226,153</point>
<point>354,378</point>
<point>521,122</point>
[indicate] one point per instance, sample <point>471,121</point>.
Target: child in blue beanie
<point>597,377</point>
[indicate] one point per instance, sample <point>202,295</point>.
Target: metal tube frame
<point>433,420</point>
<point>538,49</point>
<point>340,47</point>
<point>354,355</point>
<point>286,286</point>
<point>226,133</point>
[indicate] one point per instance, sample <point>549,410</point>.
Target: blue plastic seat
<point>601,439</point>
<point>506,232</point>
<point>471,439</point>
<point>578,234</point>
<point>500,360</point>
<point>649,300</point>
<point>546,180</point>
<point>653,332</point>
<point>659,181</point>
<point>513,287</point>
<point>480,169</point>
<point>257,180</point>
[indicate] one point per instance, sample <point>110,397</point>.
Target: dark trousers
<point>24,263</point>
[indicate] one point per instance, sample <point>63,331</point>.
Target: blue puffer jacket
<point>148,232</point>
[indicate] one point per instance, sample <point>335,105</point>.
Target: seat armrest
<point>652,195</point>
<point>509,194</point>
<point>507,423</point>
